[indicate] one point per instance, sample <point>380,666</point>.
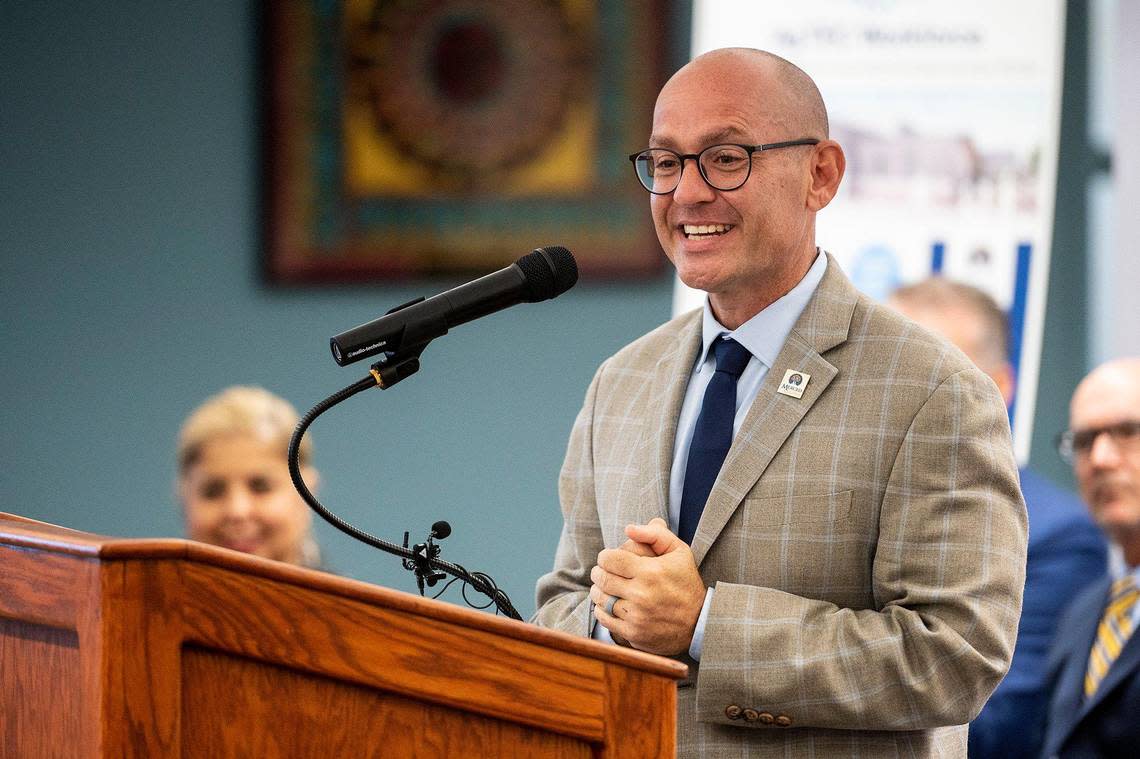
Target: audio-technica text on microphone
<point>540,275</point>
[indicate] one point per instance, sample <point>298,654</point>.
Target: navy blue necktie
<point>712,435</point>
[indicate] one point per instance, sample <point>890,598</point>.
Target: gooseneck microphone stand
<point>423,559</point>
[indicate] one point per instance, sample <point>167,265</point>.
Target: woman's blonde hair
<point>251,411</point>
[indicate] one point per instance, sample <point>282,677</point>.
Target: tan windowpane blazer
<point>866,541</point>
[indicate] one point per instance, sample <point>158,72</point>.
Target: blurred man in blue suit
<point>1095,663</point>
<point>1066,550</point>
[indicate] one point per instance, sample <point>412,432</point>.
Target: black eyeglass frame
<point>1066,442</point>
<point>751,150</point>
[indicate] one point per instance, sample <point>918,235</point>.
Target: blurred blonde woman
<point>233,477</point>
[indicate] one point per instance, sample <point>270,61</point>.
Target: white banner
<point>949,114</point>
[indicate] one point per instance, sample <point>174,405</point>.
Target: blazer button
<point>751,715</point>
<point>765,718</point>
<point>733,711</point>
<point>784,720</point>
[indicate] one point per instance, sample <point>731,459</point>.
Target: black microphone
<point>539,275</point>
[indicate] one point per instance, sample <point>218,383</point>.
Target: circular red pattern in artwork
<point>467,87</point>
<point>468,62</point>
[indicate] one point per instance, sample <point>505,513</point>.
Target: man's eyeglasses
<point>1077,444</point>
<point>724,167</point>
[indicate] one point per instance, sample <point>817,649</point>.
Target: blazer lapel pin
<point>794,384</point>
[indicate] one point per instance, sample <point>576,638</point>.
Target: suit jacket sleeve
<point>562,596</point>
<point>947,573</point>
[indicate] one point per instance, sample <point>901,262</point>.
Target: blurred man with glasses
<point>1095,663</point>
<point>793,489</point>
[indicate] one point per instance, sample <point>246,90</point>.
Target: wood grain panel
<point>346,639</point>
<point>641,715</point>
<point>237,700</point>
<point>39,670</point>
<point>41,587</point>
<point>142,639</point>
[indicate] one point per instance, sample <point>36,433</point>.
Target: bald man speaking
<point>808,499</point>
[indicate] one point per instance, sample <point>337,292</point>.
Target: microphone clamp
<point>422,555</point>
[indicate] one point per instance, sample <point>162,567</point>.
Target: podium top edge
<point>22,532</point>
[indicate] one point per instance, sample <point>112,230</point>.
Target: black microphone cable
<point>384,377</point>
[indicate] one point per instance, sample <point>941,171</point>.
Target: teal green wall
<point>130,292</point>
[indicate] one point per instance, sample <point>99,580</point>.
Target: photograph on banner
<point>949,118</point>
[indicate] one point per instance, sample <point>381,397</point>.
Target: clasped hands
<point>660,590</point>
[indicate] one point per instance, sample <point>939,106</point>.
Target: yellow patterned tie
<point>1113,632</point>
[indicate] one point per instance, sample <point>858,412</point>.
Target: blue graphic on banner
<point>1017,311</point>
<point>937,257</point>
<point>876,271</point>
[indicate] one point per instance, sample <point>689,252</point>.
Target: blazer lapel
<point>654,456</point>
<point>1125,664</point>
<point>1068,709</point>
<point>824,324</point>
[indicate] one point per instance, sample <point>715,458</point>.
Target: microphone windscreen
<point>548,272</point>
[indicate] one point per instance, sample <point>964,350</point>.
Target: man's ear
<point>827,166</point>
<point>1006,379</point>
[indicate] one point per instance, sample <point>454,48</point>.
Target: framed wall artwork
<point>404,138</point>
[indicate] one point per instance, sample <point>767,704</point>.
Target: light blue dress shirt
<point>764,336</point>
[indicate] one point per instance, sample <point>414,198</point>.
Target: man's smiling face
<point>740,243</point>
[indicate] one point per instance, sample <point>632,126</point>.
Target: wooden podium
<point>169,648</point>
